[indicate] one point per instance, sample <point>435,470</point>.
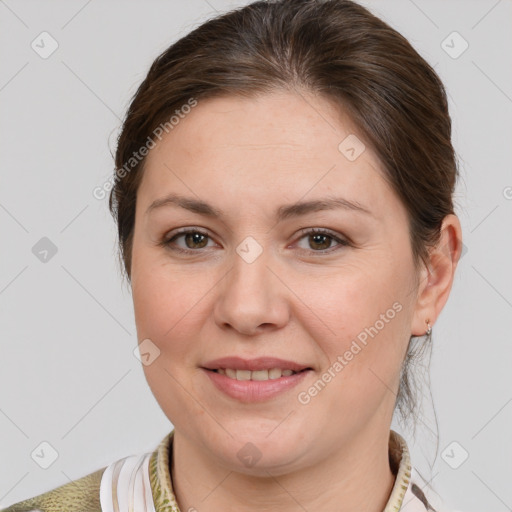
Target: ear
<point>436,281</point>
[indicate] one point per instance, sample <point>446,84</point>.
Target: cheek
<point>353,300</point>
<point>159,292</point>
<point>164,309</point>
<point>169,306</point>
<point>365,314</point>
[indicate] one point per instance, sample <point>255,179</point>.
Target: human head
<point>335,50</point>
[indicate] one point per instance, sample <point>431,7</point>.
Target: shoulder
<point>81,495</point>
<point>421,497</point>
<point>144,476</point>
<point>411,492</point>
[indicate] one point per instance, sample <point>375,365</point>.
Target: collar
<point>165,501</point>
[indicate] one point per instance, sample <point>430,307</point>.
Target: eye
<point>194,239</point>
<point>320,240</point>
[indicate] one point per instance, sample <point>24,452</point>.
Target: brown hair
<point>334,48</point>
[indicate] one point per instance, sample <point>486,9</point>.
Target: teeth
<point>273,373</point>
<point>243,375</point>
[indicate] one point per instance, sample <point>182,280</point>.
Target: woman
<point>283,196</point>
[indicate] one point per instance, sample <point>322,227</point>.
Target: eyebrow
<point>284,212</point>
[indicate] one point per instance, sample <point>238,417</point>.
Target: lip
<point>260,363</point>
<point>250,391</point>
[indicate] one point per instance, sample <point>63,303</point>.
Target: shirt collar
<point>165,500</point>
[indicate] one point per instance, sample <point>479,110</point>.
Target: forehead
<point>280,120</point>
<point>279,145</point>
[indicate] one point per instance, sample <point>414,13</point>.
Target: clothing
<point>142,483</point>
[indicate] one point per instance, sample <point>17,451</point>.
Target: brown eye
<point>193,238</point>
<point>320,241</point>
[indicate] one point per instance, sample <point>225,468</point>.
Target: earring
<point>429,329</point>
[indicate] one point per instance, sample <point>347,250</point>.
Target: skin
<point>247,157</point>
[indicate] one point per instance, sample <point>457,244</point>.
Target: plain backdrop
<point>68,374</point>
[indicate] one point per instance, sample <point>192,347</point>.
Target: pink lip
<point>260,363</point>
<point>254,390</point>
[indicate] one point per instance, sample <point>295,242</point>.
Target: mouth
<point>255,380</point>
<point>261,368</point>
<point>259,375</point>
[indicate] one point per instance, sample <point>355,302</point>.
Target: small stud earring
<point>429,329</point>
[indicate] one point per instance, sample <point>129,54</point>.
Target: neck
<point>357,477</point>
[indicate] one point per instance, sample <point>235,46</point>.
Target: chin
<point>253,451</point>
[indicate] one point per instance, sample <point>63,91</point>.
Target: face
<point>252,274</point>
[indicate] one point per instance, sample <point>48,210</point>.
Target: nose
<point>252,298</point>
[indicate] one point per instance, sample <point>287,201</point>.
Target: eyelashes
<point>318,236</point>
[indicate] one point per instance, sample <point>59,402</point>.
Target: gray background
<point>68,375</point>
